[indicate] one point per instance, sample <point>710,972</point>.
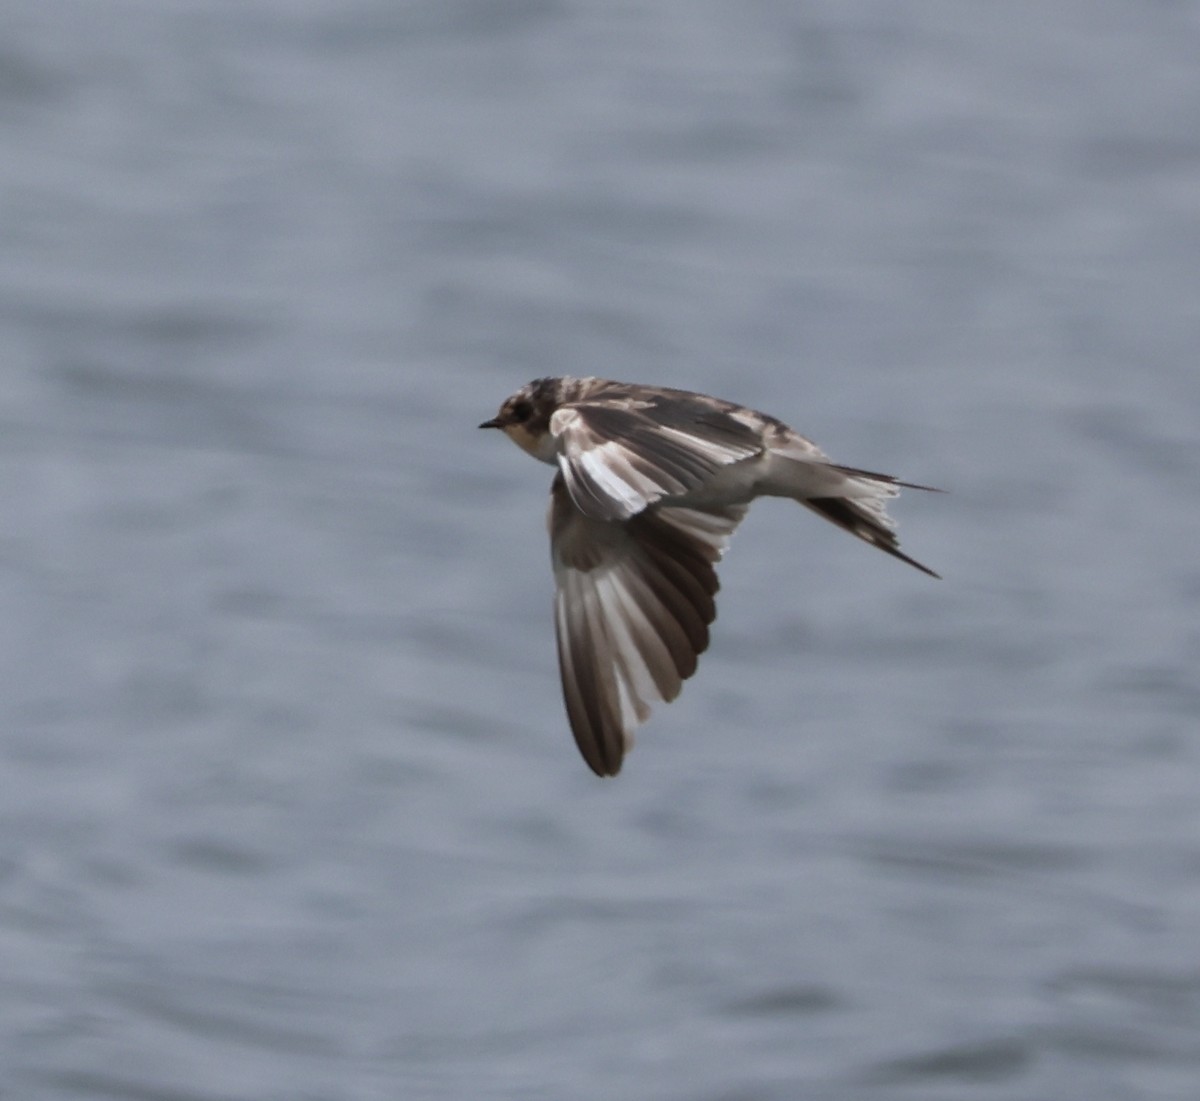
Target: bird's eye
<point>522,411</point>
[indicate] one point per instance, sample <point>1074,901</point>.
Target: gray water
<point>289,805</point>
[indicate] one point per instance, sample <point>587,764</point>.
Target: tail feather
<point>885,479</point>
<point>858,517</point>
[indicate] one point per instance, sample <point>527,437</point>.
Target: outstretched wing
<point>617,457</point>
<point>632,605</point>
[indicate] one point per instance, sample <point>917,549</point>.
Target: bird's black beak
<point>495,422</point>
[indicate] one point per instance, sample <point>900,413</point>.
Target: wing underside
<point>633,604</point>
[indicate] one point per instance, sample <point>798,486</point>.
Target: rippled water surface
<point>290,809</point>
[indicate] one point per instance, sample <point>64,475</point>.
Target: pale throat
<point>541,445</point>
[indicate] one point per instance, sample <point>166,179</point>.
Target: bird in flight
<point>650,485</point>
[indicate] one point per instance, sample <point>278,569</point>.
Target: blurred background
<point>289,805</point>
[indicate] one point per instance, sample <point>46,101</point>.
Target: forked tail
<point>866,517</point>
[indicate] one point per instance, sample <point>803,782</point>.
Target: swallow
<point>650,484</point>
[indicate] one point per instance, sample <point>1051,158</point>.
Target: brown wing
<point>632,605</point>
<point>616,458</point>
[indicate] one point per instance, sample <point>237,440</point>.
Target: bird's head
<point>525,417</point>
